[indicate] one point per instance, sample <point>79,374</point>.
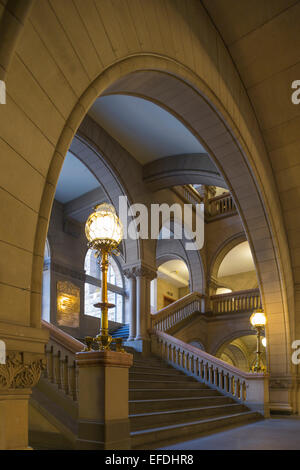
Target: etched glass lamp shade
<point>103,228</point>
<point>258,319</point>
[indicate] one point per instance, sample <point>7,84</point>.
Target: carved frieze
<point>17,373</point>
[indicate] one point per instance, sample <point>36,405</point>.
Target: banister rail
<point>221,205</point>
<point>235,302</point>
<point>61,368</point>
<point>174,313</point>
<point>248,388</point>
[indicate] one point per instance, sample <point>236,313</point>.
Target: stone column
<point>143,320</point>
<point>103,400</point>
<point>18,375</point>
<point>132,303</point>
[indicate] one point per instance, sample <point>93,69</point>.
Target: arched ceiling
<point>75,180</point>
<point>144,129</point>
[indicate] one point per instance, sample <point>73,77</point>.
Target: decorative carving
<point>16,373</point>
<point>140,271</point>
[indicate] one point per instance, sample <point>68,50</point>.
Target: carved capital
<point>143,271</point>
<point>140,271</point>
<point>20,371</point>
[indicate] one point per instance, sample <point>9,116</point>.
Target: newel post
<point>103,421</point>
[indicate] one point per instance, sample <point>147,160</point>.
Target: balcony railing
<point>248,388</point>
<point>221,205</point>
<point>177,311</point>
<point>235,302</point>
<point>188,193</point>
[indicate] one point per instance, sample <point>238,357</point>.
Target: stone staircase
<point>166,406</point>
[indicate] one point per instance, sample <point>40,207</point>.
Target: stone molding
<point>282,383</point>
<point>21,370</point>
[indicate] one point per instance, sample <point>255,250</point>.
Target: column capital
<point>140,270</point>
<point>21,370</point>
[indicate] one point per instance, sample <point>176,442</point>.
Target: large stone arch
<point>223,146</point>
<point>50,114</point>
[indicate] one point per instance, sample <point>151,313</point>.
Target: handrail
<point>61,368</point>
<point>245,387</point>
<point>235,302</point>
<point>177,311</point>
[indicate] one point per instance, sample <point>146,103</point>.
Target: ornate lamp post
<point>104,232</point>
<point>258,320</point>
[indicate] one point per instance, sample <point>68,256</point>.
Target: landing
<point>269,434</point>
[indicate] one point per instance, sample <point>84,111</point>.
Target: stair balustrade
<point>235,302</point>
<point>221,205</point>
<point>250,388</point>
<point>61,368</point>
<point>169,316</point>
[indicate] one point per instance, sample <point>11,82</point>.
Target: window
<point>92,291</point>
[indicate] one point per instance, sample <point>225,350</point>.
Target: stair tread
<point>151,400</point>
<point>184,410</point>
<point>191,423</point>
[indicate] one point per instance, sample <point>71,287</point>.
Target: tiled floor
<point>270,434</point>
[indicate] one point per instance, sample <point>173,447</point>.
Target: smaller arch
<point>229,338</point>
<point>222,251</point>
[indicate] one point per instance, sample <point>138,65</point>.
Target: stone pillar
<point>141,331</point>
<point>18,375</point>
<point>143,309</point>
<point>132,303</point>
<point>103,400</point>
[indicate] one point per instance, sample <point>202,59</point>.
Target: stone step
<point>186,392</point>
<point>144,421</point>
<point>163,375</point>
<point>154,369</point>
<point>155,438</point>
<point>165,384</point>
<point>165,404</point>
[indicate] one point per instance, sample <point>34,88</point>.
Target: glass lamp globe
<point>103,227</point>
<point>258,318</point>
<point>264,342</point>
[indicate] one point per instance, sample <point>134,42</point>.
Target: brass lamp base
<point>104,341</point>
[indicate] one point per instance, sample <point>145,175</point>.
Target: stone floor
<point>269,434</point>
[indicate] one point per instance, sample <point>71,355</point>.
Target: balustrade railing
<point>188,193</point>
<point>61,367</point>
<point>234,302</point>
<point>221,205</point>
<point>179,310</point>
<point>248,388</point>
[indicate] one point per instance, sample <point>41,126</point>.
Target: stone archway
<point>205,120</point>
